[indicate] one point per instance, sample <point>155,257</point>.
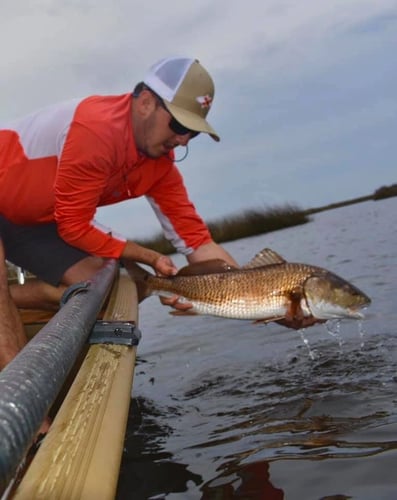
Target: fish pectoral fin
<point>298,324</point>
<point>183,313</point>
<point>294,317</point>
<point>268,320</point>
<point>294,313</point>
<point>266,257</point>
<point>213,266</point>
<point>294,310</point>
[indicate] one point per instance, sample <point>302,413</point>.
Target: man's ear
<point>145,103</point>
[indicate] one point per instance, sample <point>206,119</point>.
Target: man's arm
<point>211,250</point>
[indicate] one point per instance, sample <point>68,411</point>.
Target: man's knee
<point>82,270</point>
<point>2,254</point>
<point>3,267</point>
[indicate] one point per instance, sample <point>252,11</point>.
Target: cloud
<point>305,91</point>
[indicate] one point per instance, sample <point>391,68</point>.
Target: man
<point>59,164</point>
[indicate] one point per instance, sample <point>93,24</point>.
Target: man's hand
<point>173,302</point>
<point>164,266</point>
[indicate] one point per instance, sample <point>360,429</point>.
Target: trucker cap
<point>187,90</point>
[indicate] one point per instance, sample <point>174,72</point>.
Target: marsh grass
<point>249,223</point>
<point>385,192</point>
<point>256,221</point>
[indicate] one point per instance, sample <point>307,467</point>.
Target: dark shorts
<point>39,249</point>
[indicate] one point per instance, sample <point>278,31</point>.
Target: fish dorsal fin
<point>265,257</point>
<point>213,266</point>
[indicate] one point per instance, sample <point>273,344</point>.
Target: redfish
<point>266,289</point>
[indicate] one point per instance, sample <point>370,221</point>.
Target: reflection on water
<point>251,481</point>
<point>225,409</point>
<point>148,471</point>
<point>301,405</point>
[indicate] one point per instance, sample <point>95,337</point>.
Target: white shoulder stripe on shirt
<point>43,132</point>
<point>169,230</point>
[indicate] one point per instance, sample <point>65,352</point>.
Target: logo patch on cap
<point>205,101</point>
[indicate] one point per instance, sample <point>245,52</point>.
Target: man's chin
<point>154,154</point>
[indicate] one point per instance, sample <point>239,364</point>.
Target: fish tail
<point>140,276</point>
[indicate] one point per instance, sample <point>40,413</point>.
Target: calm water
<point>225,409</point>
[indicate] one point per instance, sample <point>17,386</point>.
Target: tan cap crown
<point>187,90</point>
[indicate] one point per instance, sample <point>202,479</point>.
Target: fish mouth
<point>355,314</point>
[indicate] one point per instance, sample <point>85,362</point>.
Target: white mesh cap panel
<point>166,76</point>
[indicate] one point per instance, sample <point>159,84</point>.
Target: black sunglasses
<point>180,129</point>
<point>173,124</point>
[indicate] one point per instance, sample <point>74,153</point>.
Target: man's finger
<point>174,302</point>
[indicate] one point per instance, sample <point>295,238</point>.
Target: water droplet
<point>362,332</point>
<point>311,352</point>
<point>333,328</point>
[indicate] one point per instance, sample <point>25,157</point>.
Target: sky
<point>305,101</point>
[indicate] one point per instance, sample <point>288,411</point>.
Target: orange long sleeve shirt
<point>62,162</point>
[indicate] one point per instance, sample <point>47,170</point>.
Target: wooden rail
<point>81,455</point>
